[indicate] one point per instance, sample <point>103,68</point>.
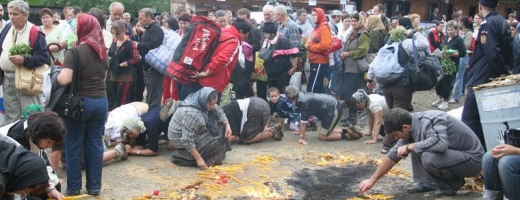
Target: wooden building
<point>421,7</point>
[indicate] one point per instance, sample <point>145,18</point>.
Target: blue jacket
<point>492,54</point>
<point>283,107</point>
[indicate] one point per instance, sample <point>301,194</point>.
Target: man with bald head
<point>116,10</point>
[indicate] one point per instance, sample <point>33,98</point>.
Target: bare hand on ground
<point>370,142</point>
<point>201,164</point>
<point>365,186</point>
<point>302,141</point>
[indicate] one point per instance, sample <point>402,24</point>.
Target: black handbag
<point>512,136</point>
<point>70,104</point>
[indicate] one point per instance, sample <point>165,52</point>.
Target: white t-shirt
<point>244,105</point>
<point>377,103</point>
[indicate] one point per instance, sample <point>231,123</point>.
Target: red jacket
<point>223,61</point>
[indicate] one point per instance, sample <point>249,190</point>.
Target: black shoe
<point>422,187</point>
<point>73,193</point>
<point>440,193</point>
<point>94,193</point>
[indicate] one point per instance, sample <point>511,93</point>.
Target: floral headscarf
<point>89,32</point>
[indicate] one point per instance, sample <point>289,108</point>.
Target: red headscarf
<point>89,32</point>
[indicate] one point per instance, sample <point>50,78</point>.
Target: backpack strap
<point>4,33</point>
<point>33,36</point>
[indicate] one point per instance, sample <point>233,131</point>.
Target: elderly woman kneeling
<point>198,131</point>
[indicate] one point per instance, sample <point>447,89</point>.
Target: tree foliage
<point>131,6</point>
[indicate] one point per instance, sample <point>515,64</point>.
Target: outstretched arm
<point>382,169</point>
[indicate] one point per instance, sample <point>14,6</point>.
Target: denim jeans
<point>86,136</point>
<point>502,175</point>
<point>459,81</point>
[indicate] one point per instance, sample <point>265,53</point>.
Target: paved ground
<point>268,161</point>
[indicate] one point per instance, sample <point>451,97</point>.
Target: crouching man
<point>442,148</point>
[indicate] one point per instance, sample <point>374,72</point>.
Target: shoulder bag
<point>70,104</point>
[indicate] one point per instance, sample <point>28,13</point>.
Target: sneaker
<point>122,152</point>
<point>438,102</point>
<point>443,105</point>
<point>385,150</point>
<point>453,101</point>
<point>294,127</point>
<point>163,113</point>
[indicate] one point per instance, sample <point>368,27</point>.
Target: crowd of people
<point>200,120</point>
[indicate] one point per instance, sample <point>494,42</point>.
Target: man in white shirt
<point>116,10</point>
<point>302,23</point>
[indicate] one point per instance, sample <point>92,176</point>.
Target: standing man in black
<point>245,90</point>
<point>152,38</point>
<point>491,58</point>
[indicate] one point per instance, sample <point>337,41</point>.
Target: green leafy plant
<point>398,34</point>
<point>20,49</point>
<point>447,65</point>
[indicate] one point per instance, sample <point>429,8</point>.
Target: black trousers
<point>471,117</point>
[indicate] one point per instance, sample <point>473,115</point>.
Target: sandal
<point>354,130</point>
<point>277,132</point>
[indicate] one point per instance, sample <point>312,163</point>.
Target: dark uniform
<point>491,58</point>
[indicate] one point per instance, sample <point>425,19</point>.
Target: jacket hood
<point>321,15</point>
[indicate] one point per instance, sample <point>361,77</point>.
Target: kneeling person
<point>247,119</point>
<point>326,108</point>
<point>443,151</point>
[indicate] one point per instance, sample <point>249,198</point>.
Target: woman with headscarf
<point>86,135</point>
<point>317,47</point>
<point>23,173</point>
<point>375,104</point>
<point>356,47</point>
<point>376,33</point>
<point>198,130</point>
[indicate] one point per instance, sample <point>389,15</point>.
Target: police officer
<point>490,59</point>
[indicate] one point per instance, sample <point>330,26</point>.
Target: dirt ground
<point>270,170</point>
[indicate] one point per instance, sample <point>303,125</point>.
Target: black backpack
<point>426,71</point>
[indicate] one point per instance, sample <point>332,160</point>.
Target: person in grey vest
<point>443,151</point>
